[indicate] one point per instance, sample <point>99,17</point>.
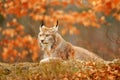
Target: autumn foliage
<point>61,70</point>
<point>16,44</point>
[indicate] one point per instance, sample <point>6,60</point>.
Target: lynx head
<point>46,36</point>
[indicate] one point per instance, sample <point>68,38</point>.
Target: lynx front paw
<point>49,59</point>
<point>45,60</point>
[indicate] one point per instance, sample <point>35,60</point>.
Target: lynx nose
<point>42,41</point>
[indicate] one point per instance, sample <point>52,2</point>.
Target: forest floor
<point>61,70</point>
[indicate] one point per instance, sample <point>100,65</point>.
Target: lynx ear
<point>56,27</point>
<point>42,25</point>
<point>57,23</point>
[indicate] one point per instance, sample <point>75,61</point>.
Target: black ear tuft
<point>42,23</point>
<point>57,23</point>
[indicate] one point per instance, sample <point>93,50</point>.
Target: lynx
<point>54,46</point>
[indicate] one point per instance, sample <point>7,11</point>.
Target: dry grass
<point>61,70</point>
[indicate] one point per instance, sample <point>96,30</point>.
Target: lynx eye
<point>47,35</point>
<point>40,35</point>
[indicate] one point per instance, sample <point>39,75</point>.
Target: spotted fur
<point>54,46</point>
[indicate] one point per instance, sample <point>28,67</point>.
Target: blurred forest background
<point>92,24</point>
